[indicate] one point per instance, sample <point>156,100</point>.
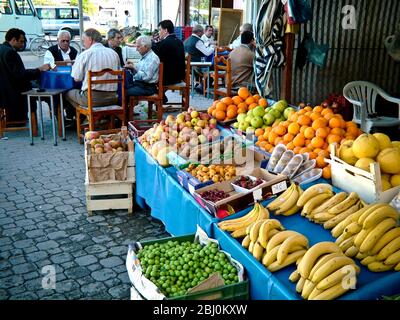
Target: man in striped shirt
<point>96,57</point>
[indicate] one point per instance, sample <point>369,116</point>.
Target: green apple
<point>248,118</point>
<point>288,111</point>
<point>280,105</point>
<point>258,111</point>
<point>250,113</point>
<point>276,113</point>
<point>250,130</point>
<point>268,109</point>
<point>257,122</point>
<point>241,117</point>
<point>277,121</point>
<point>268,119</point>
<point>236,125</point>
<point>244,125</point>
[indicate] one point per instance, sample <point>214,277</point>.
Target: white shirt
<point>207,41</point>
<point>48,57</point>
<point>236,43</point>
<point>96,58</point>
<point>207,51</point>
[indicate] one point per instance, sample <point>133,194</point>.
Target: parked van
<point>59,18</point>
<point>19,14</point>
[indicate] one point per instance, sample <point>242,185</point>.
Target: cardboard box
<point>367,184</point>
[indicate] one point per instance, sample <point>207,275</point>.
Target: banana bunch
<point>372,235</point>
<point>238,226</point>
<point>324,272</point>
<point>285,204</point>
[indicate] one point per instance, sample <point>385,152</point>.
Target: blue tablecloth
<point>265,285</point>
<point>59,79</point>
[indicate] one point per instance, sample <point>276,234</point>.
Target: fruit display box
<point>143,288</point>
<point>367,184</point>
<point>137,127</point>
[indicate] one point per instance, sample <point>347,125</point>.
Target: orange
<point>301,112</point>
<point>293,117</point>
<point>214,112</point>
<point>278,140</point>
<point>250,100</point>
<point>319,123</point>
<point>308,114</point>
<point>296,149</point>
<point>322,133</point>
<point>317,150</point>
<point>308,108</point>
<point>351,130</point>
<point>259,132</point>
<point>210,110</point>
<point>221,106</point>
<point>304,120</point>
<point>294,128</point>
<point>279,130</point>
<point>320,162</point>
<point>304,150</point>
<point>242,105</point>
<point>326,111</point>
<point>328,116</point>
<point>268,146</point>
<point>252,105</point>
<point>243,93</point>
<point>351,124</point>
<point>261,138</point>
<point>256,97</point>
<point>331,138</point>
<point>263,144</point>
<point>303,128</point>
<point>338,131</point>
<point>288,137</point>
<point>307,143</point>
<point>271,149</point>
<point>323,154</point>
<point>334,122</point>
<point>312,155</point>
<point>315,115</point>
<point>326,172</point>
<point>309,133</point>
<point>290,145</point>
<point>231,112</point>
<point>350,137</point>
<point>220,115</point>
<point>318,109</point>
<point>262,102</point>
<point>317,142</point>
<point>299,140</point>
<point>215,102</point>
<point>227,100</point>
<point>285,123</point>
<point>271,137</point>
<point>237,100</point>
<point>258,143</point>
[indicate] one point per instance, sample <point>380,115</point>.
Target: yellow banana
<point>397,267</point>
<point>361,256</point>
<point>331,293</point>
<point>251,246</point>
<point>290,202</point>
<point>341,216</point>
<point>294,276</point>
<point>342,238</point>
<point>239,223</point>
<point>378,266</point>
<point>274,205</point>
<point>394,258</point>
<point>253,211</point>
<point>346,244</point>
<point>265,229</point>
<point>367,212</point>
<point>322,217</point>
<point>246,242</point>
<point>339,228</point>
<point>270,256</point>
<point>314,293</point>
<point>386,238</point>
<point>273,232</point>
<point>314,202</point>
<point>322,260</point>
<point>360,237</point>
<point>390,248</point>
<point>330,267</point>
<point>300,284</point>
<point>336,199</point>
<point>353,228</point>
<point>352,251</point>
<point>376,233</point>
<point>264,213</point>
<point>239,233</point>
<point>307,288</point>
<point>312,255</point>
<point>291,211</point>
<point>290,259</point>
<point>312,191</point>
<point>254,229</point>
<point>380,214</point>
<point>351,199</point>
<point>279,238</point>
<point>367,260</point>
<point>334,278</point>
<point>258,251</point>
<point>287,246</point>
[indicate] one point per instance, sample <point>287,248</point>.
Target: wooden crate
<point>368,185</point>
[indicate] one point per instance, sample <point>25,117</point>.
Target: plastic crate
<point>236,291</point>
<point>136,128</point>
<point>179,32</point>
<point>187,32</point>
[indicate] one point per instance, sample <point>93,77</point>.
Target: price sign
<point>279,187</point>
<point>257,195</point>
<point>191,188</point>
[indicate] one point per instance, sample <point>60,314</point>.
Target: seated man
<point>242,62</point>
<point>61,51</point>
<point>237,42</point>
<point>14,78</point>
<point>114,39</point>
<point>143,77</point>
<point>96,57</point>
<point>208,36</point>
<point>195,46</point>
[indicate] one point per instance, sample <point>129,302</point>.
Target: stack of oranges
<point>309,130</point>
<point>228,108</point>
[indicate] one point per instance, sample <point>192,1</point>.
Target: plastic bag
<point>317,54</point>
<point>299,11</point>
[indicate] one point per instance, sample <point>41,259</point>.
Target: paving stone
<point>36,256</point>
<point>24,243</point>
<point>53,251</point>
<point>103,274</point>
<point>86,260</point>
<point>69,265</point>
<point>111,262</point>
<point>95,267</point>
<point>46,206</point>
<point>17,260</point>
<point>76,272</point>
<point>61,258</point>
<point>31,275</point>
<point>23,268</point>
<point>66,286</point>
<point>102,239</point>
<point>93,289</point>
<point>120,269</point>
<point>57,235</point>
<point>97,248</point>
<point>16,290</point>
<point>3,294</point>
<point>7,220</point>
<point>35,233</point>
<point>30,249</point>
<point>120,291</point>
<point>56,296</point>
<point>67,225</point>
<point>112,282</point>
<point>86,280</point>
<point>47,245</point>
<point>11,281</point>
<point>24,296</point>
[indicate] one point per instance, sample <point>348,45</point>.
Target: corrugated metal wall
<point>354,54</point>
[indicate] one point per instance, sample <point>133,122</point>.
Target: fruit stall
<point>266,181</point>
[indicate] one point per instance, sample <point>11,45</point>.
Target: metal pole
<point>80,5</point>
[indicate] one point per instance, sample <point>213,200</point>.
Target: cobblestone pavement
<point>43,221</point>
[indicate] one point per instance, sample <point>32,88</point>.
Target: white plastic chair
<point>362,95</point>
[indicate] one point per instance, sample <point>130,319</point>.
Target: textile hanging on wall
<point>269,32</point>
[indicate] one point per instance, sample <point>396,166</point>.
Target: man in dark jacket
<point>61,51</point>
<point>114,39</point>
<point>14,78</point>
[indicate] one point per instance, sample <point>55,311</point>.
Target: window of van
<point>23,8</point>
<point>68,13</point>
<point>45,13</point>
<point>5,7</point>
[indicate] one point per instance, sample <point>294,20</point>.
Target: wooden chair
<point>182,87</point>
<point>95,113</point>
<point>156,99</point>
<point>223,63</point>
<point>16,125</point>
